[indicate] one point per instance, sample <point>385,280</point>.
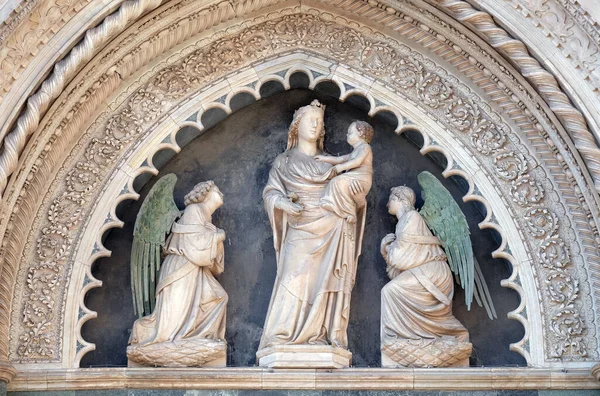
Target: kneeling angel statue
<point>184,304</point>
<point>418,328</point>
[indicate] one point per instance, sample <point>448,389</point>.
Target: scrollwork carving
<point>562,287</point>
<point>433,90</point>
<point>510,165</point>
<point>541,221</point>
<point>174,82</point>
<point>559,102</point>
<point>103,151</point>
<point>300,31</point>
<point>82,179</point>
<point>66,210</point>
<point>125,125</point>
<point>37,341</point>
<point>526,191</point>
<point>148,105</point>
<point>488,138</point>
<point>554,253</point>
<point>344,45</point>
<point>377,57</point>
<point>406,72</point>
<point>52,245</point>
<point>462,113</point>
<point>567,324</point>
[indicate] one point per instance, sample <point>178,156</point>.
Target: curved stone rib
<point>542,80</point>
<point>38,103</point>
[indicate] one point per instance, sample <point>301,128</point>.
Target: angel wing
<point>153,222</point>
<point>445,219</point>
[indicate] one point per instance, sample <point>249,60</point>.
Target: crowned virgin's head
<point>308,124</point>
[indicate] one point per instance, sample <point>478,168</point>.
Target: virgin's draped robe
<point>190,303</point>
<point>317,253</point>
<point>417,302</point>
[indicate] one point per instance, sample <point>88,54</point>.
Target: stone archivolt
<point>571,30</point>
<point>561,34</point>
<point>562,254</point>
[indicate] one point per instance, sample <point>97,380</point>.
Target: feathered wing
<point>154,220</point>
<point>445,219</point>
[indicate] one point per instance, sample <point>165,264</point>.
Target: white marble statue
<point>358,165</point>
<point>317,248</point>
<point>187,325</point>
<point>418,328</point>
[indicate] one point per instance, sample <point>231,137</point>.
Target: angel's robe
<point>317,253</point>
<point>190,303</point>
<point>417,302</point>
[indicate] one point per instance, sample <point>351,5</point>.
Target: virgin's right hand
<point>289,207</point>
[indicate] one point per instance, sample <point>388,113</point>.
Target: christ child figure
<point>339,197</point>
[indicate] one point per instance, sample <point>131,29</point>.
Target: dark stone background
<point>237,153</point>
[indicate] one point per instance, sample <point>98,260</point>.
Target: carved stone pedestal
<point>179,353</point>
<point>304,356</point>
<point>426,353</point>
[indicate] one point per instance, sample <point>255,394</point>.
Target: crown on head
<point>316,103</point>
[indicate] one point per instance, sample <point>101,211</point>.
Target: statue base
<point>444,352</point>
<point>304,356</point>
<point>200,352</point>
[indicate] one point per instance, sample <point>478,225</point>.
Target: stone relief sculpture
<point>186,326</point>
<point>338,197</point>
<point>318,224</point>
<point>418,328</point>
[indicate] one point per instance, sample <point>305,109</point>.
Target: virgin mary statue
<point>316,250</point>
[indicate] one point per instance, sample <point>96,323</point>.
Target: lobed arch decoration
<point>473,106</point>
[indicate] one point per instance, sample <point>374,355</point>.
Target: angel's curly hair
<point>403,193</point>
<point>298,114</point>
<point>198,193</point>
<point>364,129</point>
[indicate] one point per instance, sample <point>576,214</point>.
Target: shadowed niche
<point>236,152</point>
